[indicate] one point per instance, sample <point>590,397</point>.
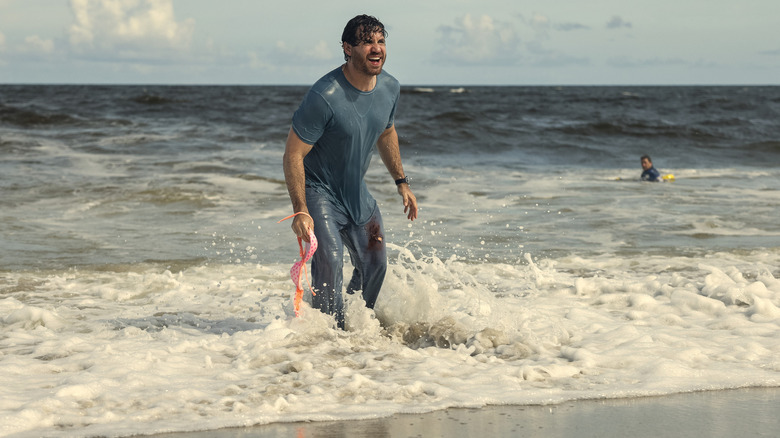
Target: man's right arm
<point>295,177</point>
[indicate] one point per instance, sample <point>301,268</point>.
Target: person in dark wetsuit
<point>329,147</point>
<point>649,173</point>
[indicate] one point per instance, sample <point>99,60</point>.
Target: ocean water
<point>144,280</point>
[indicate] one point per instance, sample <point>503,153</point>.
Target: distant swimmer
<point>649,173</point>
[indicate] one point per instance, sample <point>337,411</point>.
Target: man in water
<point>329,147</point>
<point>649,173</point>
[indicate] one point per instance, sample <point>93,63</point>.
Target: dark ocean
<point>144,281</point>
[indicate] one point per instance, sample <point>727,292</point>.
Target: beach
<point>749,412</point>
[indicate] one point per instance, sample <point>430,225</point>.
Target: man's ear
<point>347,48</point>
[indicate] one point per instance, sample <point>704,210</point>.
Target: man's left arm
<point>388,148</point>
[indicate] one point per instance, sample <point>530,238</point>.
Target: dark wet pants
<point>366,245</point>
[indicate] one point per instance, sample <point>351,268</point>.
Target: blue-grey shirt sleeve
<point>311,118</point>
<point>391,122</point>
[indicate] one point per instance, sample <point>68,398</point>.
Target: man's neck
<point>358,79</point>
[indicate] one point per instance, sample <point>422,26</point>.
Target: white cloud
<point>540,22</point>
<point>257,62</point>
<point>616,22</point>
<point>321,51</point>
<point>36,44</point>
<point>2,41</point>
<point>145,29</point>
<point>485,41</point>
<point>479,41</point>
<point>566,27</point>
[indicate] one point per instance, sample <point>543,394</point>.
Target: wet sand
<point>752,412</point>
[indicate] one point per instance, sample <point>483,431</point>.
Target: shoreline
<point>719,413</point>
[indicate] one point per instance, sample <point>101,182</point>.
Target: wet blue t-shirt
<point>343,124</point>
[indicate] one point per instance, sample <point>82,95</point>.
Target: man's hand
<point>410,201</point>
<point>301,225</point>
<point>387,145</point>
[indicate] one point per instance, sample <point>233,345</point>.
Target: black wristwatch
<point>402,180</point>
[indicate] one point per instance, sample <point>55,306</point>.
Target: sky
<point>430,42</point>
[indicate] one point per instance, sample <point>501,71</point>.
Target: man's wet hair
<point>360,29</point>
<point>645,156</point>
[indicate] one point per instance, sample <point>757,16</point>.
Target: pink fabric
<point>298,269</point>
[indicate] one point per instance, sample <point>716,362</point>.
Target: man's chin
<point>373,71</point>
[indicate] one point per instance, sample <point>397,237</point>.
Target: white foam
<point>144,350</point>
